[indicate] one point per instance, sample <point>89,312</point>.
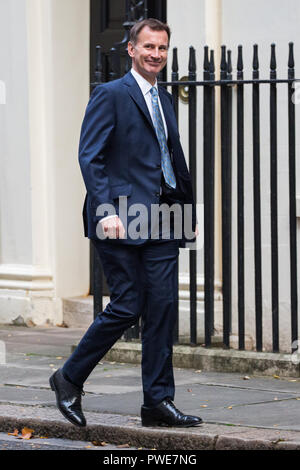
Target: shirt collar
<point>144,85</point>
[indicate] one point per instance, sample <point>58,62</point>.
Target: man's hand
<point>113,227</point>
<point>196,231</point>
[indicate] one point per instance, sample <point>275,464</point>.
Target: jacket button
<point>157,194</point>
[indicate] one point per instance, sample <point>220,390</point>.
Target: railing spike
<point>273,57</point>
<point>229,64</point>
<point>206,64</point>
<point>255,57</point>
<point>212,61</point>
<point>192,60</point>
<point>206,60</point>
<point>255,64</point>
<point>273,64</point>
<point>175,60</point>
<point>291,62</point>
<point>240,65</point>
<point>223,65</point>
<point>291,55</point>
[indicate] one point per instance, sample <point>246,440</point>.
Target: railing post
<point>174,78</point>
<point>229,186</point>
<point>193,172</point>
<point>240,200</point>
<point>274,211</point>
<point>208,192</point>
<point>292,201</point>
<point>226,202</point>
<point>256,200</point>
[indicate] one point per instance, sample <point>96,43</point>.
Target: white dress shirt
<point>145,87</point>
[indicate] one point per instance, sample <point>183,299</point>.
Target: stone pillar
<point>43,254</point>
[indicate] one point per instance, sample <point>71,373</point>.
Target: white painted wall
<point>45,70</point>
<point>15,212</point>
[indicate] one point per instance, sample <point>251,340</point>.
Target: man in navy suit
<point>132,161</point>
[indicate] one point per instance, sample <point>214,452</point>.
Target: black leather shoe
<point>68,398</point>
<point>166,414</point>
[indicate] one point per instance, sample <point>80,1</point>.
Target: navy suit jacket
<point>119,153</point>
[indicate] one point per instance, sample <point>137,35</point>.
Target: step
<point>78,311</point>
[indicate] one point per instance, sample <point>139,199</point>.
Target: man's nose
<point>155,52</point>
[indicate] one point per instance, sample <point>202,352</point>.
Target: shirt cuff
<point>108,217</point>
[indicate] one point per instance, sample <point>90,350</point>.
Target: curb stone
<point>119,429</point>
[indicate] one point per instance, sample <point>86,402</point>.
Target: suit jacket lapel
<point>136,94</point>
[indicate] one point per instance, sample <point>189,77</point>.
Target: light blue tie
<point>160,132</point>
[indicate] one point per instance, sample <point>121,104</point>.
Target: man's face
<point>149,54</point>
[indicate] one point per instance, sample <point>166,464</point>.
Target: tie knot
<point>153,91</point>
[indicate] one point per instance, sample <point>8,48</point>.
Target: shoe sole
<point>53,387</point>
<point>166,425</point>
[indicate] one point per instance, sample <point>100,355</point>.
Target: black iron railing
<point>226,84</point>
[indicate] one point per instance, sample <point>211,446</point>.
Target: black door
<point>107,18</point>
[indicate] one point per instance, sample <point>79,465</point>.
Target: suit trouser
<point>143,280</point>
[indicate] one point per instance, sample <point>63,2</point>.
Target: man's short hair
<point>153,24</point>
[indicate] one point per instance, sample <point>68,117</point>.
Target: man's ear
<point>130,49</point>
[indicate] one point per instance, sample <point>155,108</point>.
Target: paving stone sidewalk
<point>239,412</point>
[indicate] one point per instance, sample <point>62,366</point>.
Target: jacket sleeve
<point>96,134</point>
